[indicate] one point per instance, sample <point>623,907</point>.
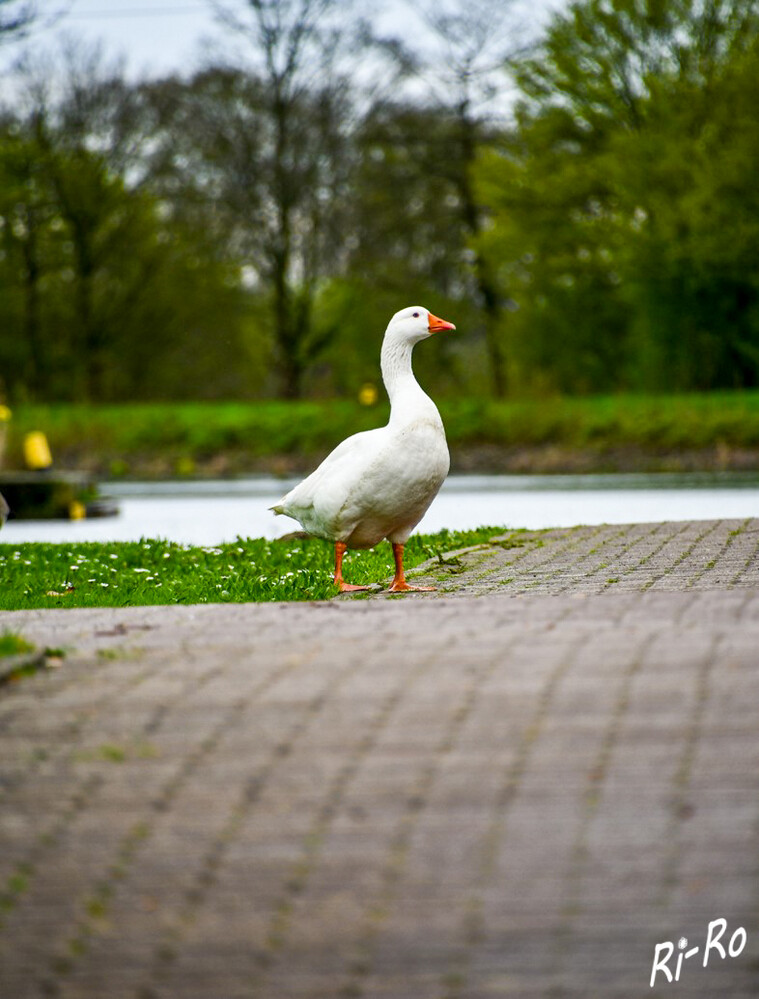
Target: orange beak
<point>437,325</point>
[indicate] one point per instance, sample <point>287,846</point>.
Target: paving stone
<point>515,786</point>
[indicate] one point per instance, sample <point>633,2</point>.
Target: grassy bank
<point>159,572</point>
<point>713,430</point>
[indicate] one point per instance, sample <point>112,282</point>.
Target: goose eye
<point>416,315</point>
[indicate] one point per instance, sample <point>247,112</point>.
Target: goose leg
<point>340,549</point>
<point>399,583</point>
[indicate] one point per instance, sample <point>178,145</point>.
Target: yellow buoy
<point>77,510</point>
<point>37,451</point>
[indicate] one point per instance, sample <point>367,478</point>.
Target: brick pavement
<point>422,796</point>
<point>708,554</point>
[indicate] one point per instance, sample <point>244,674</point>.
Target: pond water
<point>209,513</point>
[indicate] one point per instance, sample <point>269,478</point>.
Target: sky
<point>179,35</point>
<point>156,38</point>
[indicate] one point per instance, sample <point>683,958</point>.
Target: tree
<point>292,117</point>
<point>404,242</point>
<point>31,253</point>
<point>217,163</point>
<point>104,296</point>
<point>612,214</point>
<point>459,59</point>
<point>691,279</point>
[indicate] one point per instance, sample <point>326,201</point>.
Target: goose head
<point>414,324</point>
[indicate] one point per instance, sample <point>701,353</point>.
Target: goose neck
<point>397,373</point>
<point>408,401</point>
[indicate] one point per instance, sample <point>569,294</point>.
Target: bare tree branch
<point>16,18</point>
<point>304,114</point>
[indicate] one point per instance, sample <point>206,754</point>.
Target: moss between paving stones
<point>25,659</point>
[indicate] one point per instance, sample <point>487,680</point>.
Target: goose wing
<point>321,501</point>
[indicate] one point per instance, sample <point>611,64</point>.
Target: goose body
<point>379,483</point>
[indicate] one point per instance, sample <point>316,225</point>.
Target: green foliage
<point>625,208</point>
<point>160,572</point>
<point>405,249</point>
<point>101,298</point>
<point>193,238</point>
<point>249,232</point>
<point>261,163</point>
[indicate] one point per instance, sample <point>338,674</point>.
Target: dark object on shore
<point>102,506</point>
<point>53,496</point>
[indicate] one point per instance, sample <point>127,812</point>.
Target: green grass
<point>161,572</point>
<point>175,437</point>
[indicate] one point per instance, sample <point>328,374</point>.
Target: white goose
<point>379,483</point>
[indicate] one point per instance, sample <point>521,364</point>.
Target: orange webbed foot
<point>343,587</point>
<point>399,584</point>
